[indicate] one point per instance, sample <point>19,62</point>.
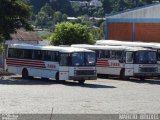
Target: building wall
<point>120,31</point>
<point>146,30</point>
<point>139,24</point>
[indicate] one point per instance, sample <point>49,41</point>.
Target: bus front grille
<point>85,72</point>
<point>148,69</point>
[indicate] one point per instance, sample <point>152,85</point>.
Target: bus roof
<point>50,48</point>
<point>124,43</point>
<point>107,47</point>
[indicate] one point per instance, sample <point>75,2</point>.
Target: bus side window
<point>104,54</point>
<point>97,53</point>
<point>15,53</point>
<point>56,55</point>
<point>20,53</point>
<point>11,53</point>
<point>37,55</point>
<point>46,56</point>
<point>28,54</point>
<point>107,54</point>
<point>123,57</point>
<point>101,54</point>
<point>113,54</point>
<point>50,56</point>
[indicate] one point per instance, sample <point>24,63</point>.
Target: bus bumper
<point>146,74</point>
<point>77,78</point>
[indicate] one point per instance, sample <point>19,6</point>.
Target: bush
<point>68,33</point>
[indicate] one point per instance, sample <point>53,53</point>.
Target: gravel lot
<point>103,96</point>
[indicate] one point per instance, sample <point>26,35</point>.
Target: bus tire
<point>81,81</point>
<point>57,76</point>
<point>24,73</point>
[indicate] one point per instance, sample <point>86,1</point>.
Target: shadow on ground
<point>36,81</point>
<point>87,85</point>
<point>153,81</point>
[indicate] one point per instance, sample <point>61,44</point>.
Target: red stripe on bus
<point>101,63</point>
<point>23,62</point>
<point>30,63</point>
<point>26,65</point>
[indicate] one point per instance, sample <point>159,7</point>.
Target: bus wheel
<point>24,74</point>
<point>57,76</point>
<point>81,81</point>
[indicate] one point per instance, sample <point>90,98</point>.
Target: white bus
<point>151,45</point>
<point>60,63</point>
<point>124,61</point>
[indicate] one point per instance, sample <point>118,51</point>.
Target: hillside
<point>108,6</point>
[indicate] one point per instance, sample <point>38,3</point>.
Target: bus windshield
<point>83,59</point>
<point>145,57</point>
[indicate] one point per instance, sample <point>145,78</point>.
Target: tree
<point>63,6</point>
<point>107,5</point>
<point>44,17</point>
<point>41,19</point>
<point>68,33</point>
<point>47,9</point>
<point>58,17</point>
<point>14,14</point>
<point>37,4</point>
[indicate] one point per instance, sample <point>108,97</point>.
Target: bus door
<point>64,66</point>
<point>129,66</point>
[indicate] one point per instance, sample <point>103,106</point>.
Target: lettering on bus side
<point>115,64</point>
<point>51,66</point>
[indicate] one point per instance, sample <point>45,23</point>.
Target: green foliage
<point>44,17</point>
<point>59,17</point>
<point>96,26</point>
<point>47,9</point>
<point>63,6</point>
<point>41,19</point>
<point>119,5</point>
<point>13,14</point>
<point>109,6</point>
<point>37,5</point>
<point>45,36</point>
<point>68,33</point>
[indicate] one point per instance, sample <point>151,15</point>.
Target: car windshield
<point>83,59</point>
<point>145,57</point>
